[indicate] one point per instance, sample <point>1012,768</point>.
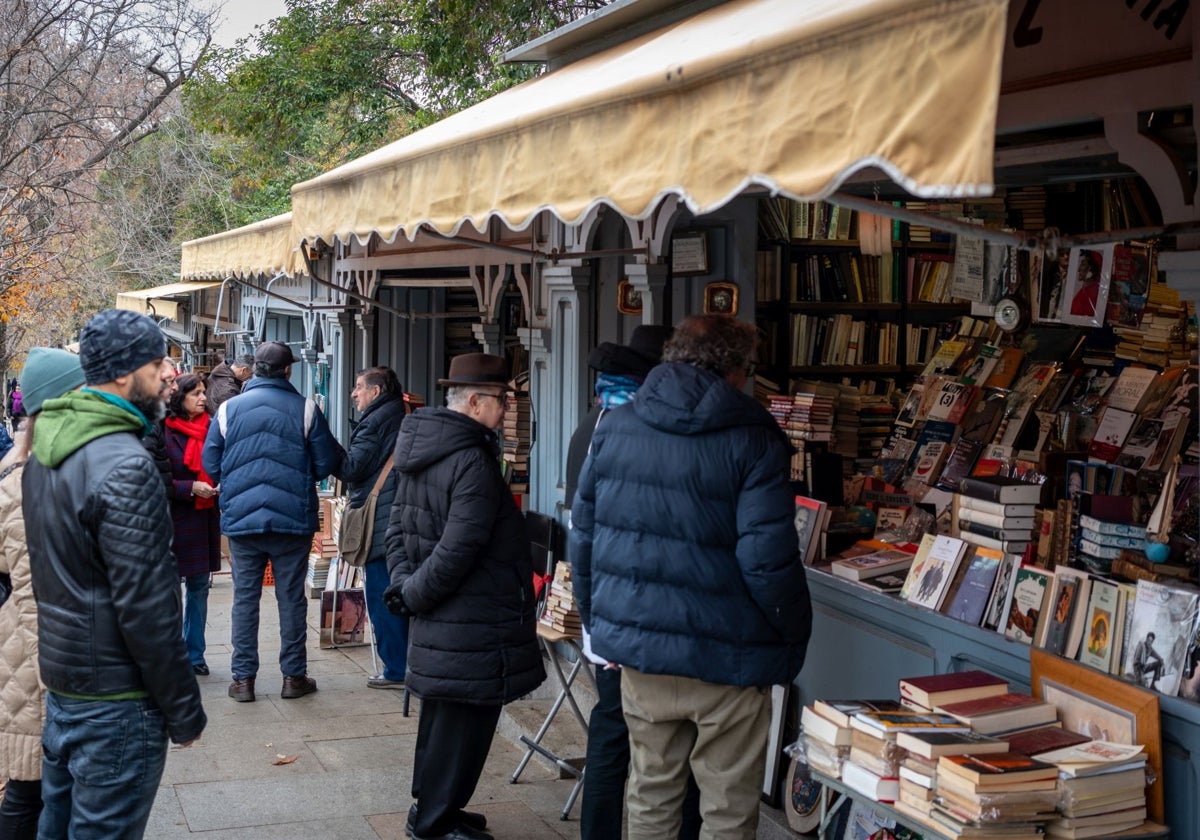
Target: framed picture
<point>1085,298</point>
<point>629,299</point>
<point>1103,708</point>
<point>689,253</point>
<point>720,299</point>
<point>770,785</point>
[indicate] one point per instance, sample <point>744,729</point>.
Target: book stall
<point>1026,465</point>
<point>964,755</point>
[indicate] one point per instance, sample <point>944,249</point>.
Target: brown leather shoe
<point>242,690</point>
<point>294,687</point>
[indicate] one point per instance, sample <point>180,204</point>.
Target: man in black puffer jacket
<point>118,679</point>
<point>687,573</point>
<point>460,565</point>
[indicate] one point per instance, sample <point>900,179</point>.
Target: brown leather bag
<point>358,524</point>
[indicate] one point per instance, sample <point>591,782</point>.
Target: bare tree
<point>80,81</point>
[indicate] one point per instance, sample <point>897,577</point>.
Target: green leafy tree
<point>333,79</point>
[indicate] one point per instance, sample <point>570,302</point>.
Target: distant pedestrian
<point>267,450</point>
<point>99,533</point>
<point>460,562</point>
<point>48,374</point>
<point>227,380</point>
<point>193,510</point>
<point>380,399</point>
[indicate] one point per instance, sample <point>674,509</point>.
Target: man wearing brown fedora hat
<point>460,565</point>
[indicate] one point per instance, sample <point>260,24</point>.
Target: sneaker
<point>242,690</point>
<point>380,681</point>
<point>294,687</point>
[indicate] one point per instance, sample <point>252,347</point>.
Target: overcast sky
<point>239,17</point>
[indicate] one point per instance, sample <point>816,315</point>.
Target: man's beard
<point>150,404</point>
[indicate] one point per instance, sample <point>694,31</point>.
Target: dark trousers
<point>20,809</point>
<point>453,740</point>
<point>601,807</point>
<point>288,555</point>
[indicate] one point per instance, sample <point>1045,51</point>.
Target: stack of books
<point>825,731</point>
<point>1101,542</point>
<point>1101,789</point>
<point>918,768</point>
<point>517,441</point>
<point>997,512</point>
<point>560,612</point>
<point>924,694</point>
<point>1002,714</point>
<point>864,421</point>
<point>873,766</point>
<point>994,795</point>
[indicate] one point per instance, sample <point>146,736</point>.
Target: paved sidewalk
<point>353,750</point>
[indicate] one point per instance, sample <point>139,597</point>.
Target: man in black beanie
<point>117,675</point>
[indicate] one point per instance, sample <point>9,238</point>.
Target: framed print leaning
<point>1103,708</point>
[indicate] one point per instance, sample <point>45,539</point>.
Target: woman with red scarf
<point>193,509</point>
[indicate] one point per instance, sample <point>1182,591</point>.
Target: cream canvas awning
<point>159,300</point>
<point>794,96</point>
<point>262,248</point>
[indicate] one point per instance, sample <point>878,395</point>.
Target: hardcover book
<point>1115,425</point>
<point>888,724</point>
<point>890,583</point>
<point>998,509</point>
<point>1043,739</point>
<point>990,715</point>
<point>939,568</point>
<point>937,744</point>
<point>841,711</point>
<point>999,769</point>
<point>870,565</point>
<point>957,686</point>
<point>1030,592</point>
<point>971,599</point>
<point>1158,635</point>
<point>1002,489</point>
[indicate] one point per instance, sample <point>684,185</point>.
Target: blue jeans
<point>288,554</point>
<point>195,614</point>
<point>391,631</point>
<point>102,762</point>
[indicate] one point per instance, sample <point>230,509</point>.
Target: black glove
<point>394,600</point>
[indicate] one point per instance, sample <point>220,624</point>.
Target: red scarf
<point>196,431</point>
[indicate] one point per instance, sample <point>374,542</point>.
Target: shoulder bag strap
<point>383,474</point>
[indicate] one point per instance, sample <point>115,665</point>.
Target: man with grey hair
<point>684,513</point>
<point>459,558</point>
<point>227,380</point>
<point>266,451</point>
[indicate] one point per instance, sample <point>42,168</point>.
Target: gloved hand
<point>394,601</point>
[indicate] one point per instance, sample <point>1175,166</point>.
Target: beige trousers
<point>719,730</point>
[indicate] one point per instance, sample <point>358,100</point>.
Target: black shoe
<point>201,669</point>
<point>242,690</point>
<point>469,819</point>
<point>294,687</point>
<point>461,833</point>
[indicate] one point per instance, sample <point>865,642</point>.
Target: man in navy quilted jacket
<point>266,450</point>
<point>687,574</point>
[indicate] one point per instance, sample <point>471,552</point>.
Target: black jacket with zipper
<point>458,547</point>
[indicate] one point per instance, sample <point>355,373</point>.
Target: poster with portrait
<point>1130,284</point>
<point>1085,296</point>
<point>1052,280</point>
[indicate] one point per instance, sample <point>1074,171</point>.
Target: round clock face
<point>1009,314</point>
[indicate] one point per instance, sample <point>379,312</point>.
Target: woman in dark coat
<point>193,509</point>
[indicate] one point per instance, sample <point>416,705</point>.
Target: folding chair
<point>546,537</point>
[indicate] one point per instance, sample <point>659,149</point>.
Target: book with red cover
<point>1002,712</point>
<point>956,687</point>
<point>1043,739</point>
<point>997,769</point>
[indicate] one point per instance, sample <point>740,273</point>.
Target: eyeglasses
<point>500,398</point>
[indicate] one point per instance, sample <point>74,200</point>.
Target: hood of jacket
<point>683,399</point>
<point>69,422</point>
<point>430,434</point>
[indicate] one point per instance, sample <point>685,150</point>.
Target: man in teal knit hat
<point>118,680</point>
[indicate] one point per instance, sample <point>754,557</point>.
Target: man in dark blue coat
<point>460,562</point>
<point>266,450</point>
<point>687,573</point>
<point>378,395</point>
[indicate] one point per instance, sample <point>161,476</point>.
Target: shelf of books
<point>998,497</point>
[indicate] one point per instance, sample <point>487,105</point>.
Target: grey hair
<point>457,396</point>
<point>717,343</point>
<point>266,370</point>
<point>243,360</point>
